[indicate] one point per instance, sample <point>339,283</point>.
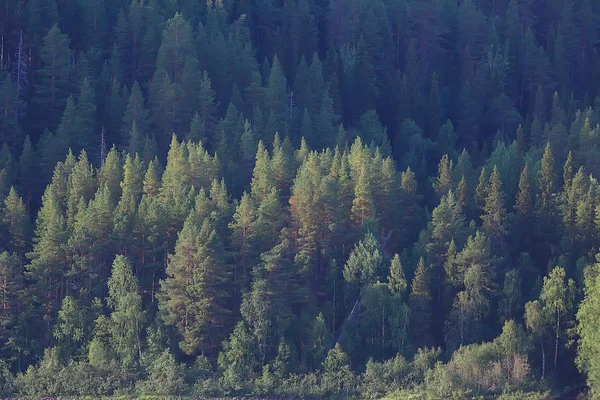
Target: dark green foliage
<point>358,180</point>
<point>54,80</point>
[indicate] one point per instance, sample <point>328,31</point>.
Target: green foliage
<point>587,359</point>
<point>165,377</point>
<point>331,157</point>
<point>337,376</point>
<point>364,264</point>
<point>127,318</point>
<point>237,360</point>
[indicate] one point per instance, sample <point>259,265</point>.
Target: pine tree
<point>237,360</point>
<point>276,97</point>
<point>207,106</point>
<point>87,138</point>
<point>111,174</point>
<point>53,80</point>
<point>82,183</point>
<point>396,279</point>
<point>11,300</point>
<point>135,112</point>
<point>125,211</point>
<point>255,310</point>
<point>481,191</point>
<point>421,307</point>
<point>443,183</point>
<point>16,221</point>
<point>27,165</point>
<point>68,130</point>
<point>462,193</point>
<point>364,263</point>
<point>152,179</point>
<point>243,236</point>
<point>524,208</point>
<point>48,258</point>
<point>263,178</point>
<point>568,173</point>
<point>546,212</point>
<point>447,224</point>
<point>363,209</point>
<point>193,297</point>
<point>319,341</point>
<point>127,318</point>
<point>196,131</point>
<point>475,266</point>
<point>511,304</point>
<point>282,165</point>
<point>494,218</point>
<point>70,328</point>
<point>410,217</point>
<point>177,45</point>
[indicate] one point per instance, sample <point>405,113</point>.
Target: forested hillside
<point>299,198</point>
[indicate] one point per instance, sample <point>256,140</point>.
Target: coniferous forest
<point>300,198</point>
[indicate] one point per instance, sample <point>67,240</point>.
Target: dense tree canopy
<point>300,197</point>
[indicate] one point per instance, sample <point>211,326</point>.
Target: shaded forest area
<point>329,198</point>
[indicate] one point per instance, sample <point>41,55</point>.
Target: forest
<point>358,199</point>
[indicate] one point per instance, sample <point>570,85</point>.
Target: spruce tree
<point>363,209</point>
<point>11,275</point>
<point>135,112</point>
<point>48,259</point>
<point>16,222</point>
<point>27,165</point>
<point>127,318</point>
<point>546,210</point>
<point>53,86</point>
<point>494,218</point>
<point>276,97</point>
<point>443,183</point>
<point>263,178</point>
<point>207,108</point>
<point>396,279</point>
<point>243,236</point>
<point>421,307</point>
<point>193,296</point>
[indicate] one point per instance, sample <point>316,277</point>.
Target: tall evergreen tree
<point>54,80</point>
<point>193,297</point>
<point>16,222</point>
<point>421,306</point>
<point>494,218</point>
<point>127,318</point>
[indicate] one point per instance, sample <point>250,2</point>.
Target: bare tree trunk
<point>556,342</point>
<point>543,362</point>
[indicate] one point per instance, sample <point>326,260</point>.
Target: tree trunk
<point>556,342</point>
<point>543,362</point>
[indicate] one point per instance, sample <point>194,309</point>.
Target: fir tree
<point>135,112</point>
<point>53,85</point>
<point>396,279</point>
<point>421,307</point>
<point>494,218</point>
<point>127,319</point>
<point>193,293</point>
<point>16,221</point>
<point>443,183</point>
